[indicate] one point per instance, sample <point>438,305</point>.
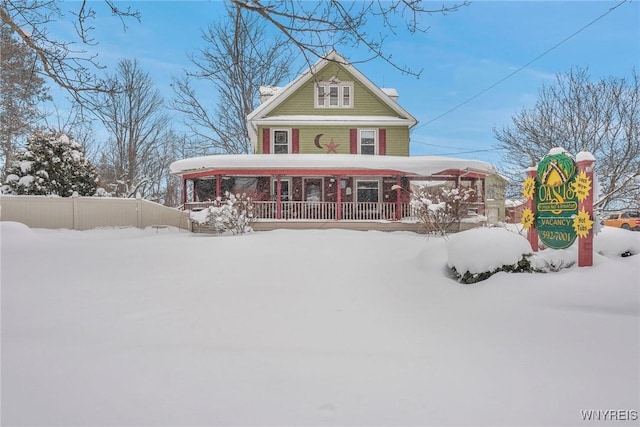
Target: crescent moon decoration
<point>316,141</point>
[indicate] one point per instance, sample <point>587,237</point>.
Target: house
<point>329,146</point>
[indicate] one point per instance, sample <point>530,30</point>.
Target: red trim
<point>297,172</point>
<point>295,141</point>
<point>382,142</point>
<point>353,141</point>
<point>266,141</point>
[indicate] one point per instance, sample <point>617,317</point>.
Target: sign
<point>560,203</point>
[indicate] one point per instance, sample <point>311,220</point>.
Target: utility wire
<point>524,66</point>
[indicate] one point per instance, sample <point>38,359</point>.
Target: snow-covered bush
<point>441,209</point>
<point>477,254</point>
<point>234,213</point>
<point>52,164</point>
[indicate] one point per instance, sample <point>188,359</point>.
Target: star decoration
<point>527,218</point>
<point>582,186</point>
<point>529,187</point>
<point>582,223</point>
<point>331,147</point>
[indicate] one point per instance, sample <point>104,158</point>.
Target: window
<point>367,141</point>
<point>346,96</point>
<point>334,94</point>
<point>281,141</point>
<point>367,191</point>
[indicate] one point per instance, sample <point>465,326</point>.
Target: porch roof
<point>419,166</point>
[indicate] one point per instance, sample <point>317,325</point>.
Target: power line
<point>467,152</point>
<point>524,66</point>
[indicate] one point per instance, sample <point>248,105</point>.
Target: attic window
<point>334,94</point>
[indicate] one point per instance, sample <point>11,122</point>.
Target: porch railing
<point>322,211</point>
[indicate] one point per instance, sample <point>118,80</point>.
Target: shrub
<point>234,214</point>
<point>522,266</point>
<point>441,209</point>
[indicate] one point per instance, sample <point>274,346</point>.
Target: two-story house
<point>329,146</point>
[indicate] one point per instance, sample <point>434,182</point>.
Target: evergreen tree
<point>52,164</point>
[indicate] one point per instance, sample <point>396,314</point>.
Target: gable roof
<point>281,94</point>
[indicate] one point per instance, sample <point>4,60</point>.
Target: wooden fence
<point>85,213</point>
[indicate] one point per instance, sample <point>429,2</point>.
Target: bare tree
<point>21,90</point>
<point>238,58</point>
<point>316,27</point>
<point>313,27</point>
<point>138,126</point>
<point>67,62</point>
<point>601,117</point>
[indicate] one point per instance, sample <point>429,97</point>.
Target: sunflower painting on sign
<point>560,207</point>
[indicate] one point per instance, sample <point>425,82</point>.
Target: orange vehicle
<point>629,220</point>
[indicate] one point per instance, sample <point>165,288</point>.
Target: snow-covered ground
<point>162,327</point>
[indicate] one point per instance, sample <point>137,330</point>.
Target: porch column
<point>398,201</point>
<point>195,190</point>
<point>278,195</point>
<point>532,232</point>
<point>184,192</point>
<point>585,244</point>
<point>339,198</point>
<point>218,186</point>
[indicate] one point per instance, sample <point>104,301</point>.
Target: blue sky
<point>461,55</point>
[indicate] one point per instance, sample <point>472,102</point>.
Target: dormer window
<point>334,94</point>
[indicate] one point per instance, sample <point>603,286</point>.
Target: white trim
<point>364,121</point>
<point>273,139</point>
<point>375,140</point>
<point>365,179</point>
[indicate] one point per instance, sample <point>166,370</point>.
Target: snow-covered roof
<point>416,165</point>
<point>514,203</point>
<point>391,92</point>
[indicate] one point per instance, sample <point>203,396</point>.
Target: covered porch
<point>289,188</point>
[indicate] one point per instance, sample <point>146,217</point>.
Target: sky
<point>465,88</point>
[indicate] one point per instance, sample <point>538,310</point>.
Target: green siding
<point>397,139</point>
<point>302,102</point>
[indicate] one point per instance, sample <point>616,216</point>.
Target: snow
<point>127,327</point>
<point>585,156</point>
<point>507,248</point>
<point>26,180</point>
<point>416,165</point>
<point>25,166</point>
